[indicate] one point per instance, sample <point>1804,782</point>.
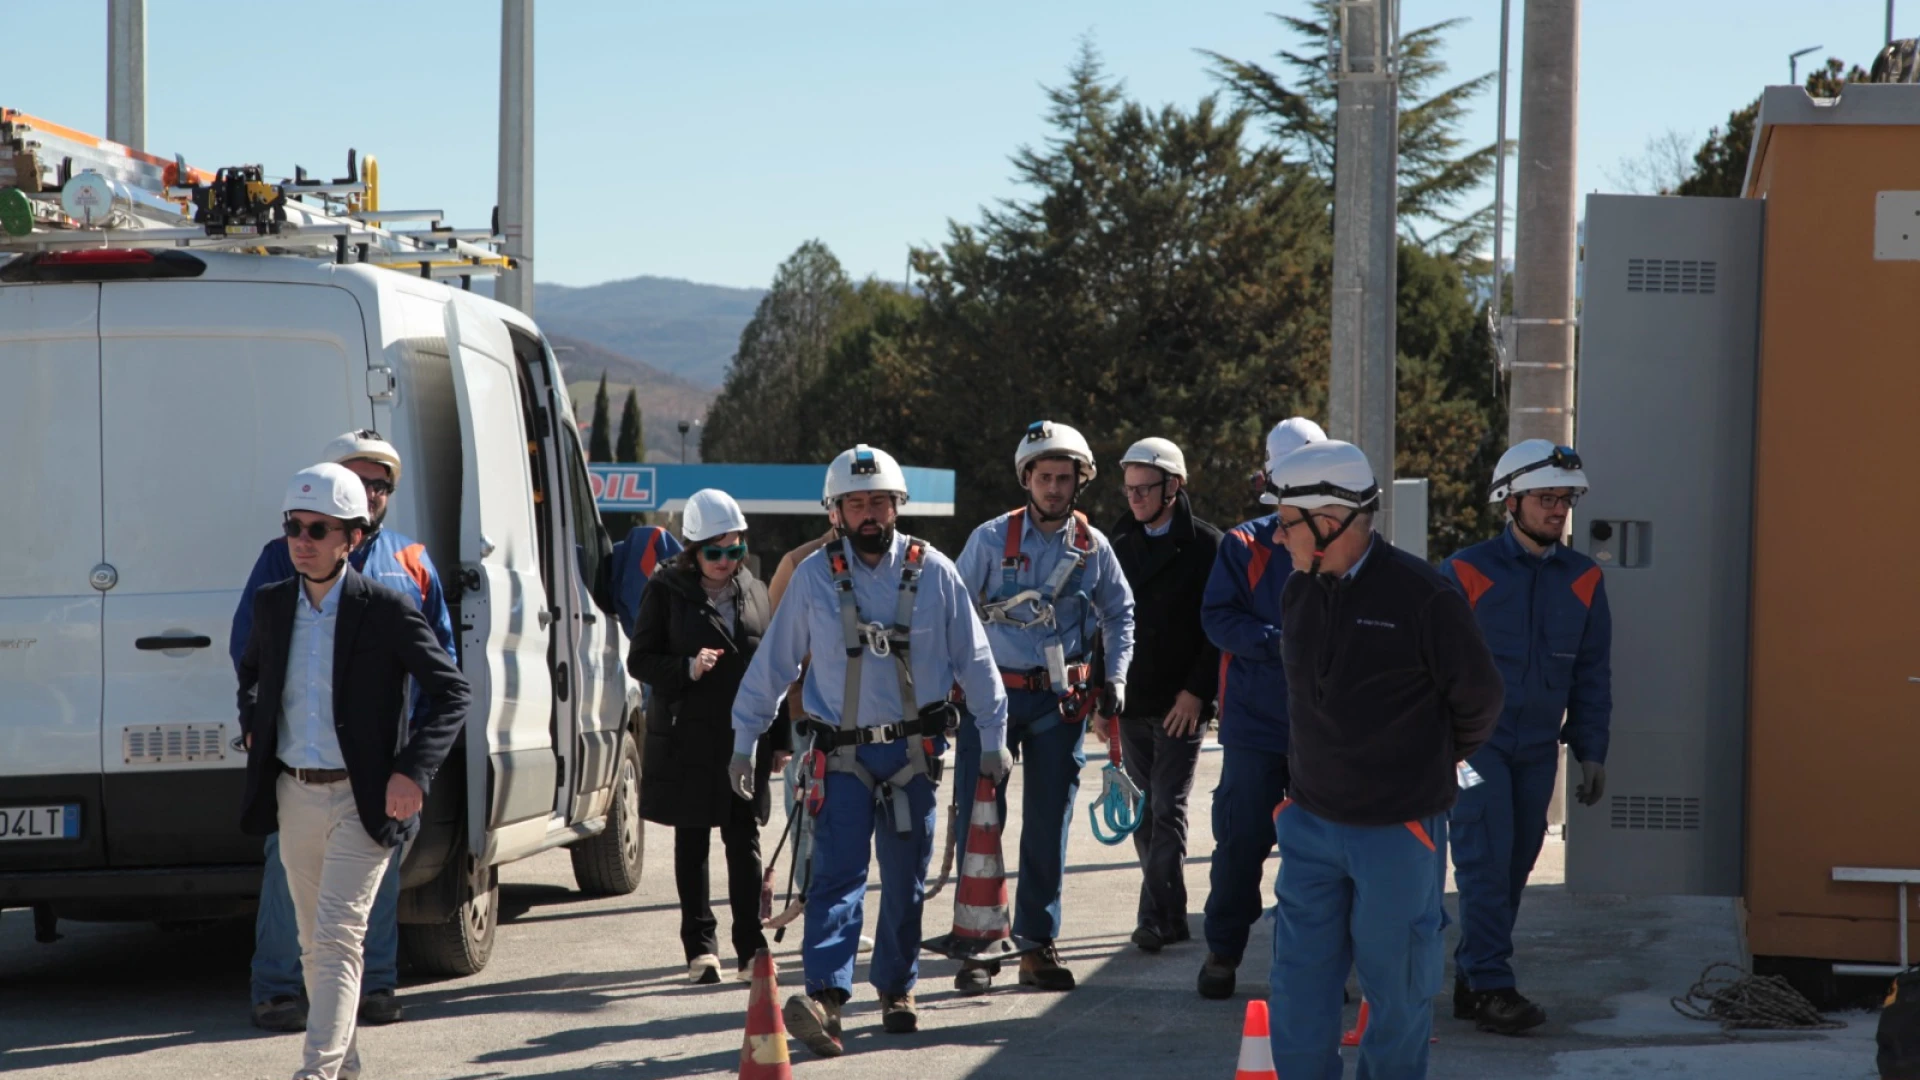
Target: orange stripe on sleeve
<point>1586,584</point>
<point>410,557</point>
<point>1472,580</point>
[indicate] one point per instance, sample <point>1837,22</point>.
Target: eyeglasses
<point>1550,502</point>
<point>1141,491</point>
<point>377,487</point>
<point>715,553</point>
<point>1328,519</point>
<point>315,530</point>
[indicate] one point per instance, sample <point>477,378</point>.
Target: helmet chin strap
<point>1033,507</point>
<point>1322,543</point>
<point>338,569</point>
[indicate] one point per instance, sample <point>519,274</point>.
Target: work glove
<point>996,764</point>
<point>1593,783</point>
<point>1113,698</point>
<point>740,776</point>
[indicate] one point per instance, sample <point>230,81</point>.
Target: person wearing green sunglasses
<point>700,621</point>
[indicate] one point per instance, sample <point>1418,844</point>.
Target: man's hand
<point>403,797</point>
<point>1184,718</point>
<point>740,776</point>
<point>1113,698</point>
<point>1100,727</point>
<point>996,764</point>
<point>702,663</point>
<point>780,759</point>
<point>1593,783</point>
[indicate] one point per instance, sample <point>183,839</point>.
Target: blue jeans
<point>1252,783</point>
<point>1365,898</point>
<point>1498,827</point>
<point>849,828</point>
<point>1050,779</point>
<point>276,938</point>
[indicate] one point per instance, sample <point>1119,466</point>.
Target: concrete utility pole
<point>1541,402</point>
<point>516,151</point>
<point>127,72</point>
<point>1360,380</point>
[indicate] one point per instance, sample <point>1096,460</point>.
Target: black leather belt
<point>315,776</point>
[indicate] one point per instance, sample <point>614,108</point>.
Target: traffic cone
<point>1352,1038</point>
<point>1256,1048</point>
<point>982,929</point>
<point>763,1056</point>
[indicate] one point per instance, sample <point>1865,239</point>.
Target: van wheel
<point>609,864</point>
<point>463,942</point>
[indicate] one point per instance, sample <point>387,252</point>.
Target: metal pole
<point>516,152</point>
<point>1890,39</point>
<point>1541,401</point>
<point>1365,229</point>
<point>1500,202</point>
<point>127,72</point>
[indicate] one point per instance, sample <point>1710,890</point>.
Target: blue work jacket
<point>634,561</point>
<point>1241,614</point>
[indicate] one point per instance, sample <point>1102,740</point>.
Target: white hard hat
<point>1535,464</point>
<point>710,512</point>
<point>327,488</point>
<point>1162,454</point>
<point>364,445</point>
<point>863,468</point>
<point>1287,436</point>
<point>1045,439</point>
<point>1326,473</point>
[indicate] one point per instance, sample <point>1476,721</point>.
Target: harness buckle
<point>874,635</point>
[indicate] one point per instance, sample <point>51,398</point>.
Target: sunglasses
<point>377,487</point>
<point>715,553</point>
<point>315,530</point>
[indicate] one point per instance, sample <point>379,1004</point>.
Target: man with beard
<point>388,558</point>
<point>1046,580</point>
<point>1543,610</point>
<point>891,630</point>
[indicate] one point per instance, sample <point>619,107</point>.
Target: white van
<point>152,406</point>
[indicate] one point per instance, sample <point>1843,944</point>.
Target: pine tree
<point>598,447</point>
<point>629,446</point>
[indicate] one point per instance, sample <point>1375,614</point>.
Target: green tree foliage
<point>1449,422</point>
<point>1438,171</point>
<point>1720,165</point>
<point>1160,278</point>
<point>628,446</point>
<point>599,445</point>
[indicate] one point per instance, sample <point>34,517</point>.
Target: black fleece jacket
<point>1168,576</point>
<point>1389,684</point>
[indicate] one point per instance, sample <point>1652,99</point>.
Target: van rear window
<point>102,264</point>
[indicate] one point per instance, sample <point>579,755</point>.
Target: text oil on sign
<point>623,488</point>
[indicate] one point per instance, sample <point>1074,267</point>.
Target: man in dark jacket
<point>1390,687</point>
<point>333,764</point>
<point>1166,554</point>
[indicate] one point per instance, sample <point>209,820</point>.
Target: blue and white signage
<point>759,489</point>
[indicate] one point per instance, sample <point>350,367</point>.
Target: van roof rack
<point>62,189</point>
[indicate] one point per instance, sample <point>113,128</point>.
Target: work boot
<point>1466,1002</point>
<point>1149,939</point>
<point>380,1007</point>
<point>1044,971</point>
<point>281,1013</point>
<point>1177,933</point>
<point>815,1021</point>
<point>975,977</point>
<point>1216,977</point>
<point>1505,1012</point>
<point>897,1015</point>
<point>703,970</point>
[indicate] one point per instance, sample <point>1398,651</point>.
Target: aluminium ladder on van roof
<point>49,203</point>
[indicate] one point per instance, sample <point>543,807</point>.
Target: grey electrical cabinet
<point>1667,372</point>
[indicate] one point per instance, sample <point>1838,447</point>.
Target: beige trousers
<point>333,870</point>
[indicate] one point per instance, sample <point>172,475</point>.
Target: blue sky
<point>707,141</point>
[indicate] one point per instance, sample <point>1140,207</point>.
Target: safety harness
<point>1062,583</point>
<point>834,748</point>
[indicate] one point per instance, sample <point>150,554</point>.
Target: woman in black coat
<point>700,620</point>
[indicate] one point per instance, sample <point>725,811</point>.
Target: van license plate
<point>39,822</point>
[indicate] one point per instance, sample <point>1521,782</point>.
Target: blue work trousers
<point>1498,827</point>
<point>849,829</point>
<point>1365,898</point>
<point>1051,754</point>
<point>276,938</point>
<point>1252,783</point>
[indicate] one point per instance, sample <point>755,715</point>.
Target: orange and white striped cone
<point>1352,1038</point>
<point>982,929</point>
<point>763,1056</point>
<point>1256,1048</point>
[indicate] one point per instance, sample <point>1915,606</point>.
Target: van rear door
<point>212,394</point>
<point>49,612</point>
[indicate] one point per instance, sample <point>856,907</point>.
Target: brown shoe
<point>1043,970</point>
<point>815,1021</point>
<point>897,1015</point>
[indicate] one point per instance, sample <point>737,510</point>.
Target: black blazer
<point>380,638</point>
<point>689,721</point>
